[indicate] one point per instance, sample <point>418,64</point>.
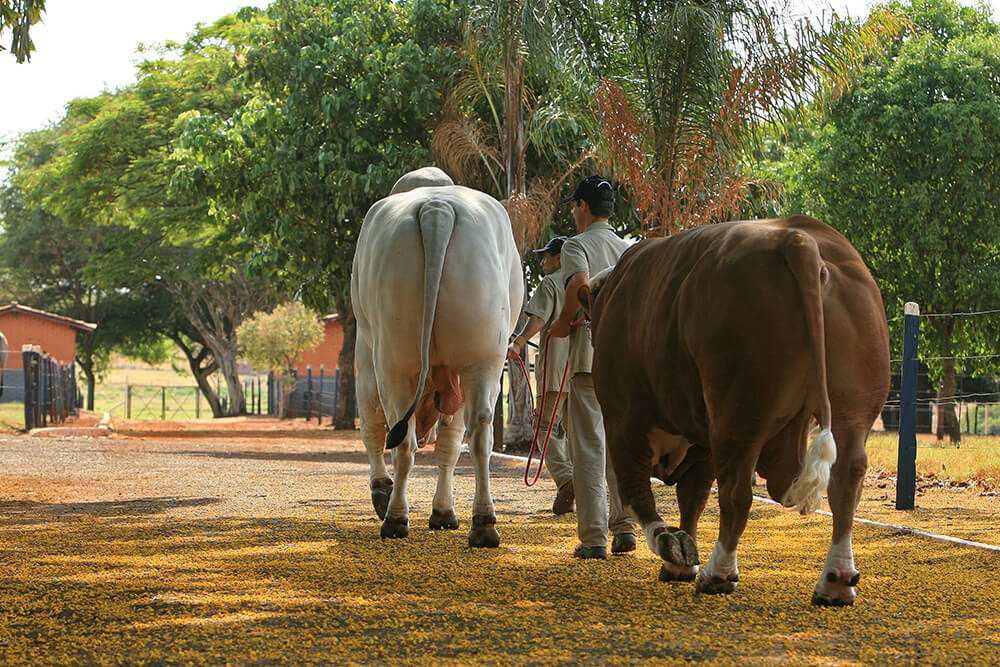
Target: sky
<point>84,48</point>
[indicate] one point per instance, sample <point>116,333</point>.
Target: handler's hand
<point>559,330</point>
<point>512,352</point>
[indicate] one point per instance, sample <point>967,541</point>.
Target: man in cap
<point>593,249</point>
<point>543,308</point>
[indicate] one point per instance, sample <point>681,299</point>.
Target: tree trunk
<point>343,416</point>
<point>201,373</point>
<point>947,420</point>
<point>230,373</point>
<point>285,387</point>
<point>85,359</point>
<point>215,309</point>
<point>208,392</point>
<point>91,387</point>
<point>520,426</point>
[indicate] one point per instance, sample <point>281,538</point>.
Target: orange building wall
<point>56,340</point>
<point>326,353</point>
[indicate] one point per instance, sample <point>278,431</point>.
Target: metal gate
<point>50,393</point>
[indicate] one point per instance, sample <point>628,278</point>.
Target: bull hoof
<point>381,490</point>
<point>836,588</point>
<point>443,520</point>
<point>677,547</point>
<point>395,527</point>
<point>484,532</point>
<point>715,584</point>
<point>671,572</point>
<point>823,601</point>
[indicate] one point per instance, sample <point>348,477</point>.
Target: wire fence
<point>175,402</point>
<point>916,406</point>
<point>975,400</point>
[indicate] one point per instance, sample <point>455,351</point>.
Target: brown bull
<point>715,349</point>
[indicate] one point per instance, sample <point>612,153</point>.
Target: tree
<point>46,262</point>
<point>909,169</point>
<point>115,170</point>
<point>514,102</point>
<point>689,89</point>
<point>18,16</point>
<point>343,94</point>
<point>275,340</point>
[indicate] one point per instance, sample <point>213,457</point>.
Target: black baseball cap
<point>554,246</point>
<point>592,188</point>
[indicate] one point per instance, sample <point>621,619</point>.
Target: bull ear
<point>586,300</point>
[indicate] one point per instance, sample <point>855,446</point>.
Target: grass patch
<point>11,417</point>
<point>977,457</point>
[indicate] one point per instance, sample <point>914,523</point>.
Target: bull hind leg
<point>735,476</point>
<point>372,428</point>
<point>446,452</point>
<point>693,489</point>
<point>631,455</point>
<point>396,523</point>
<point>482,387</point>
<point>839,576</point>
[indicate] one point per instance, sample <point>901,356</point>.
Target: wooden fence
<point>50,393</point>
<point>312,394</point>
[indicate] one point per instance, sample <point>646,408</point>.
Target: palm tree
<point>690,88</point>
<point>494,117</point>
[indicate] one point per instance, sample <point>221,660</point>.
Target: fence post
<point>319,405</point>
<point>309,392</point>
<point>28,393</point>
<point>906,462</point>
<point>43,393</point>
<point>336,394</point>
<point>128,401</point>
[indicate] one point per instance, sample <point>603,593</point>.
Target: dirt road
<point>246,543</point>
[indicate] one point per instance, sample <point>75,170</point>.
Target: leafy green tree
<point>45,263</point>
<point>275,340</point>
<point>114,171</point>
<point>343,94</point>
<point>18,16</point>
<point>909,169</point>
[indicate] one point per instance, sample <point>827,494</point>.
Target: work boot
<point>598,551</point>
<point>563,504</point>
<point>623,543</point>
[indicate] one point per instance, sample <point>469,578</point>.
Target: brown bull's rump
<point>722,336</point>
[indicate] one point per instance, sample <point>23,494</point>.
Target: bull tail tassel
<point>806,491</point>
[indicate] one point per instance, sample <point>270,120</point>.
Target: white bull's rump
<point>444,257</point>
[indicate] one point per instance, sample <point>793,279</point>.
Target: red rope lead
<point>538,422</point>
<point>541,406</point>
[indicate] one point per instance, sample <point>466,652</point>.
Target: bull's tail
<point>802,254</point>
<point>437,221</point>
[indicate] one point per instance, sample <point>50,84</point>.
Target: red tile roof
<point>79,325</point>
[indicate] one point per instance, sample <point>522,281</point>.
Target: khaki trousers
<point>557,460</point>
<point>593,479</point>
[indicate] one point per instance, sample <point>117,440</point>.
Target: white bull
<point>437,289</point>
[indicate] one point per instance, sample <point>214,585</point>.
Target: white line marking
<point>905,529</point>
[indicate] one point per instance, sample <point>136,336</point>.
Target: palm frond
<point>462,148</point>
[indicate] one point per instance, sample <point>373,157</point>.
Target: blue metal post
<point>906,464</point>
